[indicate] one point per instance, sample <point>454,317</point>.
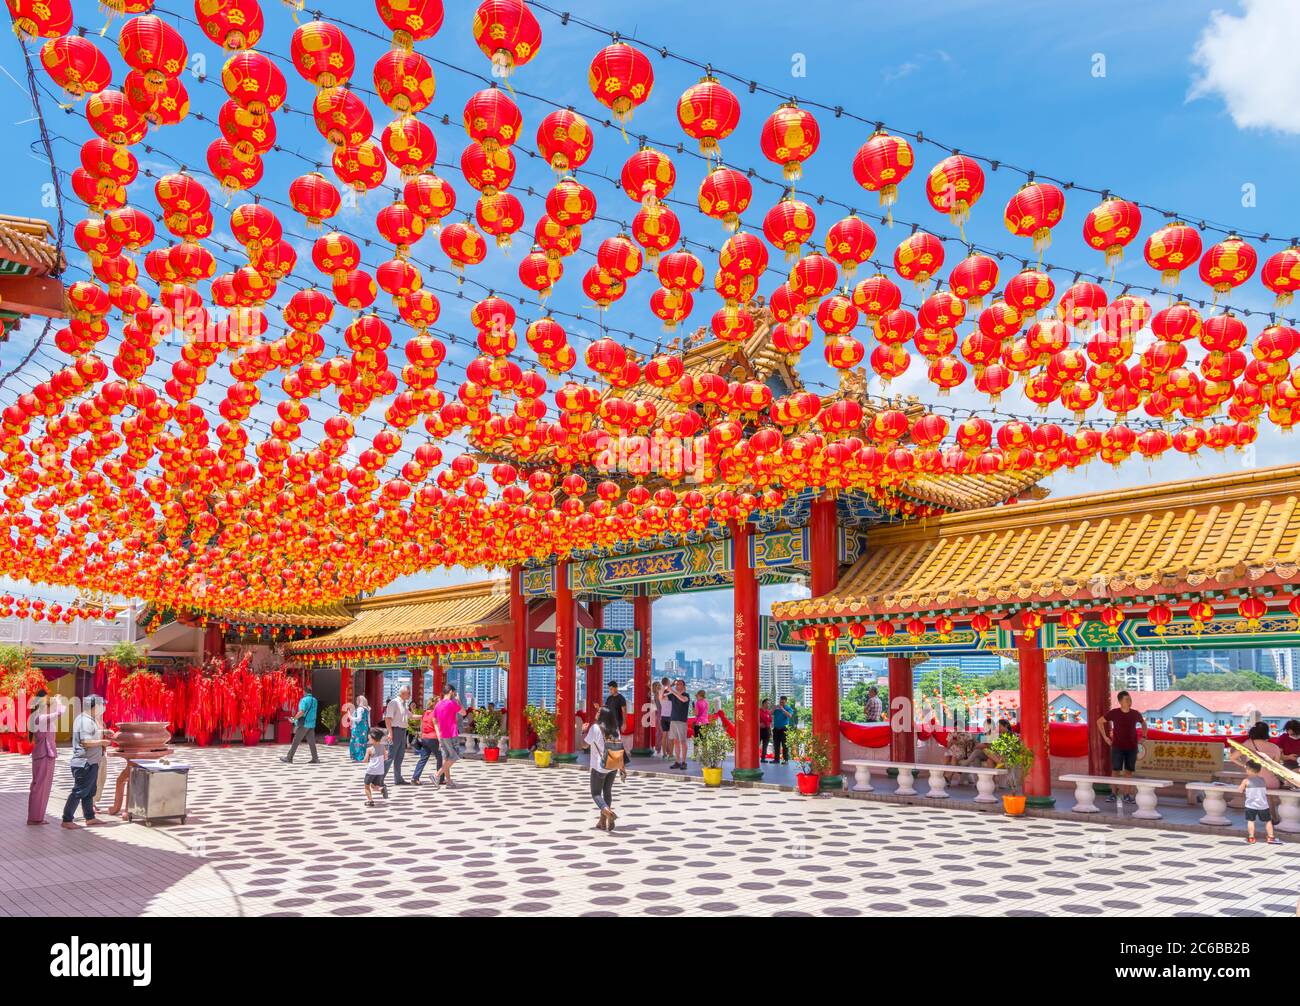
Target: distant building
<point>978,665</point>
<point>541,686</point>
<point>618,615</point>
<point>1229,709</point>
<point>775,674</point>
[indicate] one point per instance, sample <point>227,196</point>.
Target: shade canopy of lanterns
<point>235,476</point>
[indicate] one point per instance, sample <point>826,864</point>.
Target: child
<point>1257,809</point>
<point>376,751</point>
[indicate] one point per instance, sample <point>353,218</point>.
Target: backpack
<point>614,758</point>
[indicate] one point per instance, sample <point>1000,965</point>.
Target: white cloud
<point>1249,61</point>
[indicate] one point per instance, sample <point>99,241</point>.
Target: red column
<point>824,559</point>
<point>902,740</point>
<point>641,677</point>
<point>346,686</point>
<point>417,686</point>
<point>1033,719</point>
<point>375,693</point>
<point>566,667</point>
<point>439,676</point>
<point>517,681</point>
<point>1097,668</point>
<point>596,667</point>
<point>214,642</point>
<point>745,600</point>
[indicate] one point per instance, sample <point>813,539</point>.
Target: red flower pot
<point>808,782</point>
<point>329,739</point>
<point>251,737</point>
<point>491,754</point>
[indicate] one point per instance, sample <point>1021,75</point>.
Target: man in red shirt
<point>1119,729</point>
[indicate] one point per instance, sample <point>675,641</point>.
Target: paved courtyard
<point>269,839</point>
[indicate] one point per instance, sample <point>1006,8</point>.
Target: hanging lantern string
<point>839,111</point>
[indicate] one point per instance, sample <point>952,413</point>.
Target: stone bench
<point>1085,799</point>
<point>1214,801</point>
<point>985,778</point>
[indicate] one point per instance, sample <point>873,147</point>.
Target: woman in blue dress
<point>360,729</point>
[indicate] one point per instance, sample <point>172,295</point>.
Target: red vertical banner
<point>901,714</point>
<point>596,666</point>
<point>517,679</point>
<point>641,678</point>
<point>1033,719</point>
<point>824,563</point>
<point>566,668</point>
<point>746,645</point>
<point>1097,669</point>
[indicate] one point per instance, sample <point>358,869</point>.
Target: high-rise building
<point>973,664</point>
<point>541,686</point>
<point>775,674</point>
<point>1066,672</point>
<point>618,615</point>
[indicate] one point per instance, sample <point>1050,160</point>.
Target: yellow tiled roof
<point>1229,530</point>
<point>27,240</point>
<point>327,616</point>
<point>425,616</point>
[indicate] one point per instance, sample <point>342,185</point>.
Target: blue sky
<point>1169,103</point>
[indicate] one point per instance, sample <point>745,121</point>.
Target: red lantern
<point>789,137</point>
<point>1281,274</point>
<point>724,195</point>
<point>115,119</point>
<point>656,231</point>
<point>1172,249</point>
<point>1252,609</point>
<point>565,140</point>
<point>648,176</point>
<point>570,203</point>
<point>411,21</point>
<point>881,165</point>
<point>431,197</point>
<point>361,167</point>
<point>463,245</point>
<point>409,146</point>
<point>709,113</point>
<point>76,65</point>
<point>850,242</point>
<point>1034,211</point>
<point>315,197</point>
<point>342,117</point>
<point>954,185</point>
<point>973,278</point>
<point>501,216</point>
<point>507,33</point>
<point>231,24</point>
<point>404,81</point>
<point>492,119</point>
<point>918,257</point>
<point>322,54</point>
<point>35,19</point>
<point>1111,226</point>
<point>1228,264</point>
<point>788,225</point>
<point>621,78</point>
<point>254,82</point>
<point>252,135</point>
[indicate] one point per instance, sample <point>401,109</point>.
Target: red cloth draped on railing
<point>1065,740</point>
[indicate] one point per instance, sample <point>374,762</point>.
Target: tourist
<point>665,719</point>
<point>1119,729</point>
<point>444,715</point>
<point>617,704</point>
<point>962,750</point>
<point>701,712</point>
<point>304,721</point>
<point>41,723</point>
<point>874,709</point>
<point>679,711</point>
<point>1288,742</point>
<point>783,718</point>
<point>377,765</point>
<point>1257,805</point>
<point>428,745</point>
<point>89,739</point>
<point>359,740</point>
<point>605,742</point>
<point>1258,742</point>
<point>764,729</point>
<point>397,717</point>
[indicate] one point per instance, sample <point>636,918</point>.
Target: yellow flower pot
<point>712,776</point>
<point>542,758</point>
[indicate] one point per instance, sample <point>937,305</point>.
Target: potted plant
<point>712,745</point>
<point>329,719</point>
<point>487,724</point>
<point>1012,754</point>
<point>812,754</point>
<point>127,656</point>
<point>542,721</point>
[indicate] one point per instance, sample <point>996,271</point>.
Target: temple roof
<point>1202,534</point>
<point>26,248</point>
<point>329,616</point>
<point>424,616</point>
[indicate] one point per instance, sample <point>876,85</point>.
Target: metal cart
<point>159,791</point>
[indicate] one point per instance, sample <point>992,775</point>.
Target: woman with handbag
<point>605,744</point>
<point>360,737</point>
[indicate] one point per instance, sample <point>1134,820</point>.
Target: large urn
<point>137,742</point>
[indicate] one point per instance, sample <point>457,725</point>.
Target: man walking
<point>783,718</point>
<point>445,715</point>
<point>89,739</point>
<point>397,715</point>
<point>617,704</point>
<point>1119,729</point>
<point>304,721</point>
<point>874,708</point>
<point>679,702</point>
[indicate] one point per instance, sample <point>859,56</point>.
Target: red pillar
<point>417,686</point>
<point>596,667</point>
<point>1033,719</point>
<point>439,676</point>
<point>566,666</point>
<point>375,693</point>
<point>517,680</point>
<point>1097,668</point>
<point>745,600</point>
<point>902,738</point>
<point>824,559</point>
<point>641,677</point>
<point>346,686</point>
<point>214,642</point>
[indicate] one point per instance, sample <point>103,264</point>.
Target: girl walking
<point>607,758</point>
<point>377,751</point>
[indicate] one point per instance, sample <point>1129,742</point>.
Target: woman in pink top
<point>42,721</point>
